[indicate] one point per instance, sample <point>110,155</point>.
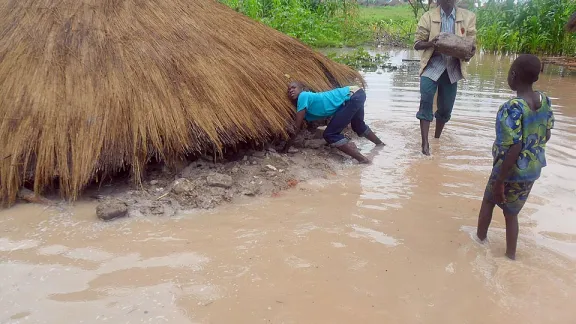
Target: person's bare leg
<point>439,128</point>
<point>511,235</point>
<point>352,150</point>
<point>424,130</point>
<point>374,139</point>
<point>484,219</point>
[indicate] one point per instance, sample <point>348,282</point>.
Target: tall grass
<point>532,26</point>
<point>390,25</point>
<point>328,23</point>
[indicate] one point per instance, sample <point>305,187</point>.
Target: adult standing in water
<point>438,72</point>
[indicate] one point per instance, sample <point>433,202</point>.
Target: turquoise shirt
<point>517,123</point>
<point>322,104</point>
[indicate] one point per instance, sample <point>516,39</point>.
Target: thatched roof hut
<point>90,87</point>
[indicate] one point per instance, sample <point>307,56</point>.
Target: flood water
<point>388,243</point>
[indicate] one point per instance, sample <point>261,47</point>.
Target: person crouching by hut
<point>344,106</point>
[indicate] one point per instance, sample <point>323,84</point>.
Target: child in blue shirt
<point>345,106</point>
<point>523,127</point>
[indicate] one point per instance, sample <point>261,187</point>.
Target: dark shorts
<point>516,194</point>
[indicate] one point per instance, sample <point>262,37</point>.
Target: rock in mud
<point>319,133</point>
<point>212,197</point>
<point>293,150</point>
<point>182,186</point>
<point>315,143</point>
<point>455,46</point>
<point>299,141</point>
<point>188,171</point>
<point>109,210</point>
<point>259,154</point>
<point>159,208</point>
<point>219,180</point>
<point>31,197</point>
<point>250,189</point>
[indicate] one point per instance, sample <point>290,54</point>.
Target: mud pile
<point>204,184</point>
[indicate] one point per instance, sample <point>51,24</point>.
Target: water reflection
<point>393,99</point>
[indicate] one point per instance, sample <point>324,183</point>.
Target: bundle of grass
<point>571,25</point>
<point>90,87</point>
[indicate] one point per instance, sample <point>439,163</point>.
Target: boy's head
<point>294,89</point>
<point>524,71</point>
<point>446,3</point>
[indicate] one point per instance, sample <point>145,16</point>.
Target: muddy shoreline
<point>205,183</point>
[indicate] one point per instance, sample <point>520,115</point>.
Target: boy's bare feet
<point>365,161</point>
<point>511,235</point>
<point>374,139</point>
<point>351,149</point>
<point>426,149</point>
<point>424,129</point>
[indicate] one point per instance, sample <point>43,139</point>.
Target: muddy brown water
<point>388,243</point>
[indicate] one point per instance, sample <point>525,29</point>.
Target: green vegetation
<point>327,23</point>
<point>376,13</point>
<point>360,59</point>
<point>390,25</point>
<point>534,26</point>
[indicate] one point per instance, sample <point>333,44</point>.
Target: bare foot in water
<point>365,161</point>
<point>360,158</point>
<point>352,150</point>
<point>426,149</point>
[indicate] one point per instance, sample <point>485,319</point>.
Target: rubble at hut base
<point>203,184</point>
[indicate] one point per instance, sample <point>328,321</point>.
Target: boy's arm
<point>421,39</point>
<point>509,161</point>
<point>471,34</point>
<point>471,29</point>
<point>298,125</point>
<point>550,123</point>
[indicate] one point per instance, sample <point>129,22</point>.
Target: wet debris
<point>204,184</point>
<point>111,209</point>
<point>219,180</point>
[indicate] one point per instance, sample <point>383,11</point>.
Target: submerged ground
<point>388,243</point>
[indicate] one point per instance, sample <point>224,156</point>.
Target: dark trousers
<point>351,112</point>
<point>445,102</point>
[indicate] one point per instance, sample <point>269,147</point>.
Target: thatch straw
<point>571,25</point>
<point>88,87</point>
